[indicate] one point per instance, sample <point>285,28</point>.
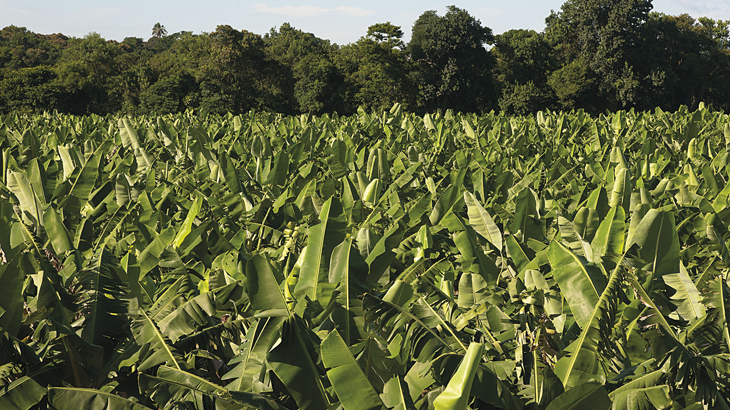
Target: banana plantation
<point>375,261</point>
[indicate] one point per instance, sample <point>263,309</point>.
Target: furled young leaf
<point>187,224</point>
<point>621,192</point>
<point>57,232</point>
<point>610,236</point>
<point>526,224</point>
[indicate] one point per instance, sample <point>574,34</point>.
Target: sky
<point>341,22</point>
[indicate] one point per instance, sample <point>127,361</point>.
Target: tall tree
<point>687,61</point>
<point>523,62</point>
<point>89,76</point>
<point>452,65</point>
<point>604,35</point>
<point>21,48</point>
<point>158,30</point>
<point>310,80</point>
<point>232,73</point>
<point>376,68</point>
<point>28,89</point>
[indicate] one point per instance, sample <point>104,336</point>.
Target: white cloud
<point>693,6</point>
<point>15,10</point>
<point>354,11</point>
<point>307,11</point>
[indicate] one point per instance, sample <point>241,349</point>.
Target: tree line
<point>592,55</point>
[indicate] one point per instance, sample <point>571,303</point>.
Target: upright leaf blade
<point>580,283</point>
<point>482,222</point>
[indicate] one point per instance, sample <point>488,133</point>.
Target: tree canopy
<point>593,55</point>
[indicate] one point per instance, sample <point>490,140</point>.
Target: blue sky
<point>339,21</point>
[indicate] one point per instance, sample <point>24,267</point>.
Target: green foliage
<point>522,56</point>
<point>378,260</point>
<point>604,35</point>
<point>29,89</point>
<point>452,65</point>
<point>523,99</point>
<point>376,69</point>
<point>163,97</point>
<point>595,56</point>
<point>573,84</point>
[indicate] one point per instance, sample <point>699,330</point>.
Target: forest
<point>591,55</point>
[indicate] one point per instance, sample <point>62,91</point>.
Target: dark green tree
<point>576,86</point>
<point>452,66</point>
<point>28,89</point>
<point>21,48</point>
<point>232,71</point>
<point>687,61</point>
<point>523,61</point>
<point>308,77</point>
<point>89,76</point>
<point>164,96</point>
<point>521,56</point>
<point>376,69</point>
<point>604,35</point>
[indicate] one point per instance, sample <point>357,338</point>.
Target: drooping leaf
<point>156,348</point>
<point>63,398</point>
<point>263,287</point>
<point>588,395</point>
<point>456,394</point>
<point>172,386</point>
<point>293,361</point>
<point>645,392</point>
<point>21,394</point>
<point>352,387</point>
<point>259,339</point>
<point>590,353</point>
<point>104,300</point>
<point>657,236</point>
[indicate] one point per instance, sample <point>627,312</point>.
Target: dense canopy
<point>593,55</point>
